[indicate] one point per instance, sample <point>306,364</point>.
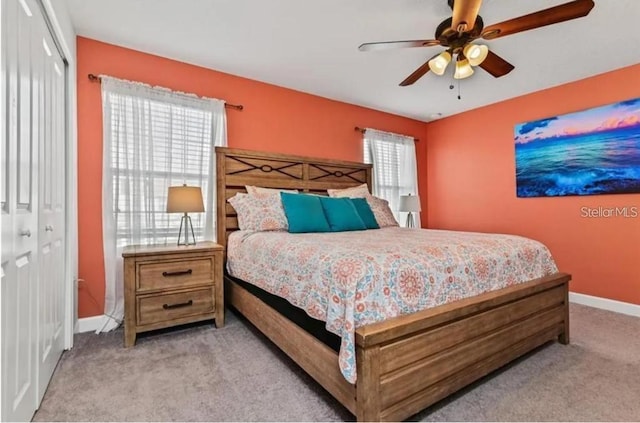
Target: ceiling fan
<point>458,32</point>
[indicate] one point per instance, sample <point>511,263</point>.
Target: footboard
<point>410,362</point>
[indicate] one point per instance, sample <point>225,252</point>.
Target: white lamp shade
<point>409,203</point>
<point>439,63</point>
<point>463,69</point>
<point>475,53</point>
<point>185,199</point>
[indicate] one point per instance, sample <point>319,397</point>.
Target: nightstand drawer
<point>175,274</point>
<point>161,308</point>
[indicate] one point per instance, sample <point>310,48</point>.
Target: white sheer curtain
<point>394,167</point>
<point>153,138</point>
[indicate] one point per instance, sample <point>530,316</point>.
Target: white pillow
<point>360,191</point>
<point>254,190</point>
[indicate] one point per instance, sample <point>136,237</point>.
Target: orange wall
<point>469,173</point>
<point>274,119</point>
<point>471,186</point>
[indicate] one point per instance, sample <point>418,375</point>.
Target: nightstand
<point>166,286</point>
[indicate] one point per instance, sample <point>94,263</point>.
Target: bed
<point>405,363</point>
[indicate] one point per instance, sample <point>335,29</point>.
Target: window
<point>157,139</point>
<point>178,153</point>
<point>394,166</point>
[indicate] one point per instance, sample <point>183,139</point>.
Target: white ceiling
<point>311,46</point>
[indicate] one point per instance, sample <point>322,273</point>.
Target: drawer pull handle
<point>179,305</point>
<point>178,273</point>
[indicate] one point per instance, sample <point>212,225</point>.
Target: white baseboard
<point>605,304</point>
<point>89,324</point>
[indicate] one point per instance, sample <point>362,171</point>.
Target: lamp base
<point>410,222</point>
<point>186,223</point>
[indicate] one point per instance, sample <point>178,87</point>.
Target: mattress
<point>351,279</point>
<point>313,327</point>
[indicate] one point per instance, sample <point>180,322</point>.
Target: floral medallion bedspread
<point>351,279</point>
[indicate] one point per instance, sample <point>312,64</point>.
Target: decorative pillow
<point>382,212</point>
<point>361,191</point>
<point>304,213</point>
<point>364,211</point>
<point>342,214</point>
<point>259,213</point>
<point>253,190</point>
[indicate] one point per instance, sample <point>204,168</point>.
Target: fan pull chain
<point>452,86</point>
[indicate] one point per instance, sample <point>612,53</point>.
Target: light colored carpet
<point>236,374</point>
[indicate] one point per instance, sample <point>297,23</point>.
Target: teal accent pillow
<point>366,214</point>
<point>304,213</point>
<point>342,214</point>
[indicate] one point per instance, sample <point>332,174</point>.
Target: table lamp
<point>409,203</point>
<point>185,199</point>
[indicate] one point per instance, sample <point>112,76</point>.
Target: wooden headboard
<point>237,168</point>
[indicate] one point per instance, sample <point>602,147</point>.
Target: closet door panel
<point>51,212</point>
<point>19,217</point>
<point>26,215</point>
<point>45,123</point>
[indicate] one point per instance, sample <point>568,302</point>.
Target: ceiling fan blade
<point>417,74</point>
<point>465,12</point>
<point>553,15</point>
<point>496,65</point>
<point>386,45</point>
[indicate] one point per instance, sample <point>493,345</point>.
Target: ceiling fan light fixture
<point>439,63</point>
<point>475,53</point>
<point>463,69</point>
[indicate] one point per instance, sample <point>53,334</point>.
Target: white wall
<point>65,33</point>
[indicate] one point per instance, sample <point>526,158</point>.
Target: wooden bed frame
<point>409,362</point>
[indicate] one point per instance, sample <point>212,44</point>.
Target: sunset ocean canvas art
<point>596,151</point>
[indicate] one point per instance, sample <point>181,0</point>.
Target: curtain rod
<point>94,78</point>
<point>362,130</point>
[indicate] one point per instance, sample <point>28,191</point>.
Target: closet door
<point>19,214</point>
<point>32,191</point>
<point>49,107</point>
